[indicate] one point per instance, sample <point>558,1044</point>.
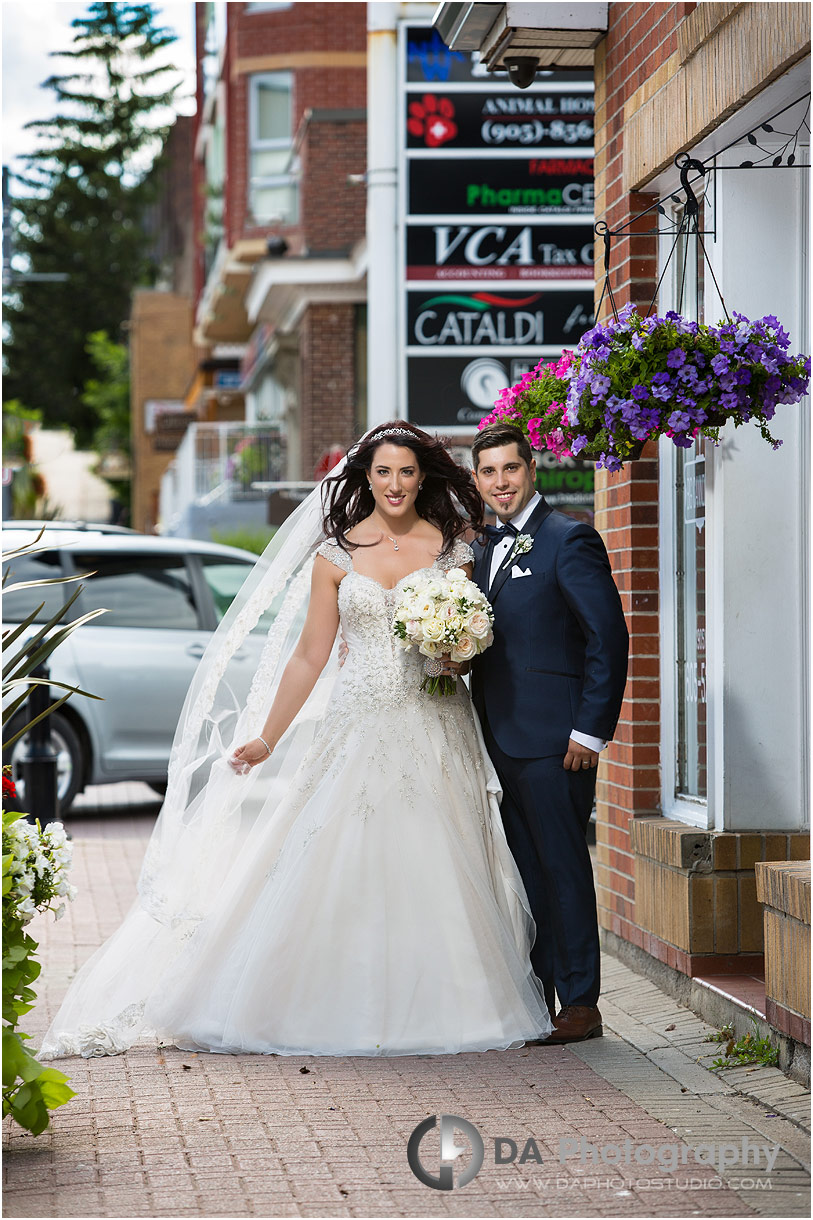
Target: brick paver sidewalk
<point>166,1133</point>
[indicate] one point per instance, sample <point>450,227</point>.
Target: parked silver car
<point>164,597</point>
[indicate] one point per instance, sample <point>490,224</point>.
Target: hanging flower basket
<point>634,379</point>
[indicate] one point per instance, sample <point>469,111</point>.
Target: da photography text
<point>449,1162</point>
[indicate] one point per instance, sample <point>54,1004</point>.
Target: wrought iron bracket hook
<point>602,229</point>
<point>685,164</point>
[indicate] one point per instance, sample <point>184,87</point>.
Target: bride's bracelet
<point>265,743</point>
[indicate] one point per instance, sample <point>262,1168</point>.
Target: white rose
<point>428,649</point>
<point>477,625</point>
<point>464,649</point>
<point>456,576</point>
<point>425,608</point>
<point>433,629</point>
<point>454,625</point>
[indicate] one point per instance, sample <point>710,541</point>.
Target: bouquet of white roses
<point>445,615</point>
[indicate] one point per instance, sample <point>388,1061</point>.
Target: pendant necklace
<point>394,541</point>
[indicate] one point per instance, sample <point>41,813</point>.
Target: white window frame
<point>679,807</point>
<point>255,144</point>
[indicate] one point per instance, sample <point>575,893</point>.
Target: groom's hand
<point>579,757</point>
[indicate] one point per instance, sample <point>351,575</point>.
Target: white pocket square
<point>515,572</point>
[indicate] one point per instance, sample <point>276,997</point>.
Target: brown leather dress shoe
<point>575,1023</point>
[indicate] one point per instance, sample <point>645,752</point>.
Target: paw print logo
<point>432,118</point>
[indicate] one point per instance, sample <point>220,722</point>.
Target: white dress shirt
<point>498,556</point>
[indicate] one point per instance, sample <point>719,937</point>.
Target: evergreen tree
<point>85,191</point>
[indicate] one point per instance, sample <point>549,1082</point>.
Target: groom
<point>548,693</point>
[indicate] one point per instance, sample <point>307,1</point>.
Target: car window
<point>138,590</point>
<point>45,566</point>
<point>225,577</point>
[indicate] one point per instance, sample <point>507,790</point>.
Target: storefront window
<point>690,621</point>
<point>683,577</point>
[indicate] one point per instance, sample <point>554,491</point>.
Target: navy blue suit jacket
<point>559,657</point>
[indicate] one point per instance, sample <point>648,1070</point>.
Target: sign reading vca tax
<point>530,186</point>
<point>499,252</point>
<point>500,120</point>
<point>498,319</point>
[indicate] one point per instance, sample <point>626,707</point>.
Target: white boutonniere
<point>522,546</point>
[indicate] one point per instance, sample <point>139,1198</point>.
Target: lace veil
<point>209,809</point>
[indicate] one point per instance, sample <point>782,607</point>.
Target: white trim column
<point>382,213</point>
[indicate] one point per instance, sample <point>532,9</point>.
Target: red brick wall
<point>640,38</point>
<point>314,29</point>
<point>327,381</point>
<point>334,212</point>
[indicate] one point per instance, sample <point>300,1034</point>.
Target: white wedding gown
<point>378,911</point>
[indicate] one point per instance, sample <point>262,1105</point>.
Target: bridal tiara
<point>394,432</point>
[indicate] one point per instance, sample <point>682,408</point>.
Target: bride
<point>339,882</point>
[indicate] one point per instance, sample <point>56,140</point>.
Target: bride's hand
<point>248,756</point>
<point>453,669</point>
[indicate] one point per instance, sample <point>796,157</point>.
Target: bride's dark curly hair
<point>448,498</point>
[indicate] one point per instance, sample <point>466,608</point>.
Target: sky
<point>32,28</point>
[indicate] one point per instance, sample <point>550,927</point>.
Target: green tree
<point>81,205</point>
<point>108,397</point>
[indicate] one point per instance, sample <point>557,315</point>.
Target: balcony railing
<point>219,463</point>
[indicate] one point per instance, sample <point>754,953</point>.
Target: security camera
<point>522,70</point>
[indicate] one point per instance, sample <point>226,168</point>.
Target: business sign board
<point>429,61</point>
<point>484,121</point>
<point>496,225</point>
<point>496,252</point>
<point>521,186</point>
<point>482,318</point>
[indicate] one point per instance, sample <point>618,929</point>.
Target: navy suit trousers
<point>545,812</point>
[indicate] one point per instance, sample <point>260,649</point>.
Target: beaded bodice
<point>378,672</point>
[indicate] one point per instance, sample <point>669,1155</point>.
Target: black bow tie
<point>498,532</point>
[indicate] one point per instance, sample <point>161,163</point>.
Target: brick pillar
<point>327,381</point>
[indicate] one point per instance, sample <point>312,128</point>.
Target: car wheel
<point>70,762</point>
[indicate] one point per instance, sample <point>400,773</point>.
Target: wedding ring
<point>432,667</point>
